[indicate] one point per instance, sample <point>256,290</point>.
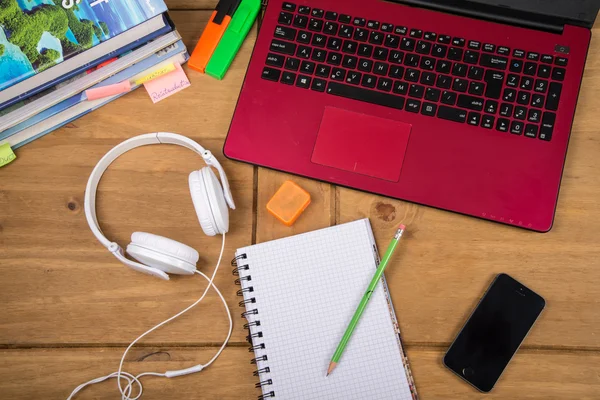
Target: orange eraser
<point>288,203</point>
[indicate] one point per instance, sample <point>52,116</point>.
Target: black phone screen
<point>494,332</point>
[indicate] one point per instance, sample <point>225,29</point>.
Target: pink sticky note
<point>167,85</point>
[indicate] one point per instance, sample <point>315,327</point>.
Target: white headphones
<point>158,255</point>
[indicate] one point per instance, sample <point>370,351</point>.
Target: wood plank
<point>53,373</point>
<point>191,4</point>
<point>60,285</point>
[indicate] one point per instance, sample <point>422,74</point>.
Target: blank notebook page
<point>306,289</point>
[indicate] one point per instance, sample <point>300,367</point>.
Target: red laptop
<point>465,106</point>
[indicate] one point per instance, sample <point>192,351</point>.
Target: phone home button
<point>468,372</point>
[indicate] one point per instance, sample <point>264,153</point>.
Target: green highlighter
<point>232,39</point>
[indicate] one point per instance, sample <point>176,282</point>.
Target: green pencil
<point>365,300</point>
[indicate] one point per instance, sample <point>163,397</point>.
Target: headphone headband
<point>124,147</point>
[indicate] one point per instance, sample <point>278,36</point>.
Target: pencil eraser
<point>288,203</point>
<point>109,90</point>
<point>402,226</point>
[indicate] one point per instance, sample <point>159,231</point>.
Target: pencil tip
<point>331,368</point>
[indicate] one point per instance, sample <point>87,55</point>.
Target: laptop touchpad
<point>361,143</point>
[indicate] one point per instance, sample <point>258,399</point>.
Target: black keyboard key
<point>553,98</point>
<point>516,66</point>
<point>365,50</point>
<point>304,37</point>
<point>475,73</point>
<point>286,33</point>
<point>444,82</point>
<point>362,35</point>
<point>317,13</point>
<point>533,56</point>
<point>476,88</point>
<point>452,114</point>
<point>561,61</point>
<point>523,98</point>
<point>487,122</point>
<point>280,46</point>
<point>509,95</point>
<point>459,42</point>
<point>289,7</point>
<point>526,83</point>
<point>384,84</point>
<point>381,53</point>
<point>491,106</point>
<point>518,53</point>
<point>271,74</point>
<point>350,62</point>
<point>387,27</point>
<point>534,116</point>
<point>445,39</point>
<point>408,44</point>
<point>547,59</point>
<point>349,47</point>
<point>503,50</point>
<point>359,21</point>
<point>443,66</point>
<point>412,75</point>
<point>372,24</point>
<point>275,60</point>
<point>489,48</point>
<point>506,110</point>
<point>428,78</point>
<point>502,125</point>
<point>396,57</point>
<point>411,60</point>
<point>396,72</point>
<point>460,69</point>
<point>319,85</point>
<point>474,119</point>
<point>475,45</point>
<point>292,63</point>
<point>369,81</point>
<point>285,18</point>
<point>494,81</point>
<point>520,113</point>
<point>381,68</point>
<point>303,81</point>
<point>531,131</point>
<point>413,105</point>
<point>544,71</point>
<point>432,94</point>
<point>319,40</point>
<point>460,85</point>
<point>304,10</point>
<point>353,77</point>
<point>537,100</point>
<point>319,55</point>
<point>334,58</point>
<point>471,57</point>
<point>416,33</point>
<point>416,91</point>
<point>492,61</point>
<point>392,41</point>
<point>365,65</point>
<point>288,78</point>
<point>449,98</point>
<point>331,28</point>
<point>455,54</point>
<point>400,87</point>
<point>530,68</point>
<point>331,16</point>
<point>334,43</point>
<point>429,109</point>
<point>547,128</point>
<point>369,96</point>
<point>315,25</point>
<point>430,36</point>
<point>427,63</point>
<point>300,21</point>
<point>439,50</point>
<point>470,102</point>
<point>423,47</point>
<point>303,52</point>
<point>307,67</point>
<point>513,80</point>
<point>376,37</point>
<point>345,19</point>
<point>346,31</point>
<point>400,30</point>
<point>558,74</point>
<point>338,74</point>
<point>516,128</point>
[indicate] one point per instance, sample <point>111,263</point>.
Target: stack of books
<point>51,51</point>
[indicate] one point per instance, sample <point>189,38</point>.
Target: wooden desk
<point>69,308</point>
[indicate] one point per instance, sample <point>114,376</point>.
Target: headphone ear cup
<point>216,198</point>
<point>209,202</point>
<point>163,253</point>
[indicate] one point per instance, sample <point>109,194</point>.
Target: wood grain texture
<point>68,308</point>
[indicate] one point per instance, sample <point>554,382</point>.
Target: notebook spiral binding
<point>242,271</point>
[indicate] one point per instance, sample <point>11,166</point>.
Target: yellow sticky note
<point>155,74</point>
<point>6,155</point>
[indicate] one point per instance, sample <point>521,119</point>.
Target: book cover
<point>37,34</point>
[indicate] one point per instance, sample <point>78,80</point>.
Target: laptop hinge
<point>498,14</point>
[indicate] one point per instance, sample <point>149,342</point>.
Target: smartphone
<point>494,332</point>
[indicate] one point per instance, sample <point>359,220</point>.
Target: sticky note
<point>167,85</point>
<point>6,155</point>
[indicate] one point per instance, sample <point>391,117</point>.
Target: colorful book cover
<point>38,34</point>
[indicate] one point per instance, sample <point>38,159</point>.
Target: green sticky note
<point>6,155</point>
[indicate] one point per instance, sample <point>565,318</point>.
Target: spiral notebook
<point>300,294</point>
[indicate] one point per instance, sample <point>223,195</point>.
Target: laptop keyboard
<point>457,79</point>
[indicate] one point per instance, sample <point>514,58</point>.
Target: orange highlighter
<point>212,34</point>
